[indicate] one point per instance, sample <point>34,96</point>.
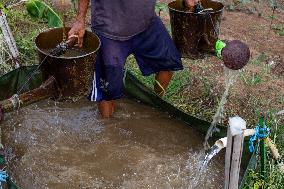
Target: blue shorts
<point>153,49</point>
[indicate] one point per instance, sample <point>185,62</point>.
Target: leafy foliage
<point>159,7</point>
<point>2,7</point>
<point>275,178</point>
<point>39,9</point>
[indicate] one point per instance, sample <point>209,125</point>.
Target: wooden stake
<point>235,138</point>
<point>228,158</point>
<point>47,90</point>
<point>236,161</point>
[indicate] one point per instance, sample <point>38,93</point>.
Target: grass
<point>275,178</point>
<point>279,29</point>
<point>24,33</point>
<point>259,59</point>
<point>251,79</point>
<point>180,79</point>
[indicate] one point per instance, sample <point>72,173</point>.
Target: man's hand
<point>191,3</point>
<point>78,30</point>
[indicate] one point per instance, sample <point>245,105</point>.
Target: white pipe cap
<point>237,125</point>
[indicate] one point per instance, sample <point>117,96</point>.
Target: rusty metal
<point>235,54</point>
<point>47,90</point>
<point>73,73</point>
<point>195,33</point>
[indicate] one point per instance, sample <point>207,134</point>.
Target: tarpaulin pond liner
<point>11,82</point>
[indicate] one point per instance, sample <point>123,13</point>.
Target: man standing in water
<point>127,27</point>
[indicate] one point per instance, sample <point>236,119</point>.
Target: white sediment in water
<point>230,78</point>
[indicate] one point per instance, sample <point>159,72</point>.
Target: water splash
<point>214,150</point>
<point>68,139</point>
<point>230,78</point>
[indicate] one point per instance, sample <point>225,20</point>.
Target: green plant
<point>279,29</point>
<point>281,99</point>
<point>38,9</point>
<point>4,57</point>
<point>259,59</point>
<point>272,17</point>
<point>207,87</point>
<point>24,33</point>
<point>266,69</point>
<point>275,178</point>
<point>253,181</point>
<point>159,7</point>
<point>3,8</point>
<point>251,79</point>
<point>75,4</point>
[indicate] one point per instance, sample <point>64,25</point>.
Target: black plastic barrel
<point>195,33</point>
<point>72,73</point>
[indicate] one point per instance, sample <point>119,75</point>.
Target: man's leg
<point>155,52</point>
<point>107,84</point>
<point>106,108</point>
<point>163,79</point>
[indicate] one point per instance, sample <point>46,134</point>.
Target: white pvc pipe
<point>222,142</point>
<point>237,127</point>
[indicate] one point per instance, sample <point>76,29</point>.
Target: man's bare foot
<point>106,108</point>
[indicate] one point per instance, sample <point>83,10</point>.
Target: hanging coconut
<point>235,54</point>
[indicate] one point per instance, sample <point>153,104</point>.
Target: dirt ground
<point>260,87</point>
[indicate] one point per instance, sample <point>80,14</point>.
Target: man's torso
<point>122,19</point>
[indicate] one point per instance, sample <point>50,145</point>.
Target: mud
<point>66,145</point>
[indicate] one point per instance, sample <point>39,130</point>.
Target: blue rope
<point>260,133</point>
<point>3,177</point>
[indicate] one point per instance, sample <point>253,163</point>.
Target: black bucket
<point>195,33</point>
<point>73,73</point>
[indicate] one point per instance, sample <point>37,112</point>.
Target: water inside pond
<point>69,53</point>
<point>66,145</point>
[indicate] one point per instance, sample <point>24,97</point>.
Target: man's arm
<point>78,28</point>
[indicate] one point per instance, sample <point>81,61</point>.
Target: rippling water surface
<point>66,145</point>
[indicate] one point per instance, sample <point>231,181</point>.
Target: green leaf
<point>40,10</point>
<point>2,8</point>
<point>161,7</point>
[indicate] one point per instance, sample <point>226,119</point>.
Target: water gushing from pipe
<point>230,78</point>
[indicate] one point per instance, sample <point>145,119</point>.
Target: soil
<point>261,84</point>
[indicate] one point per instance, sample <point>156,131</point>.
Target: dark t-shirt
<point>122,19</point>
